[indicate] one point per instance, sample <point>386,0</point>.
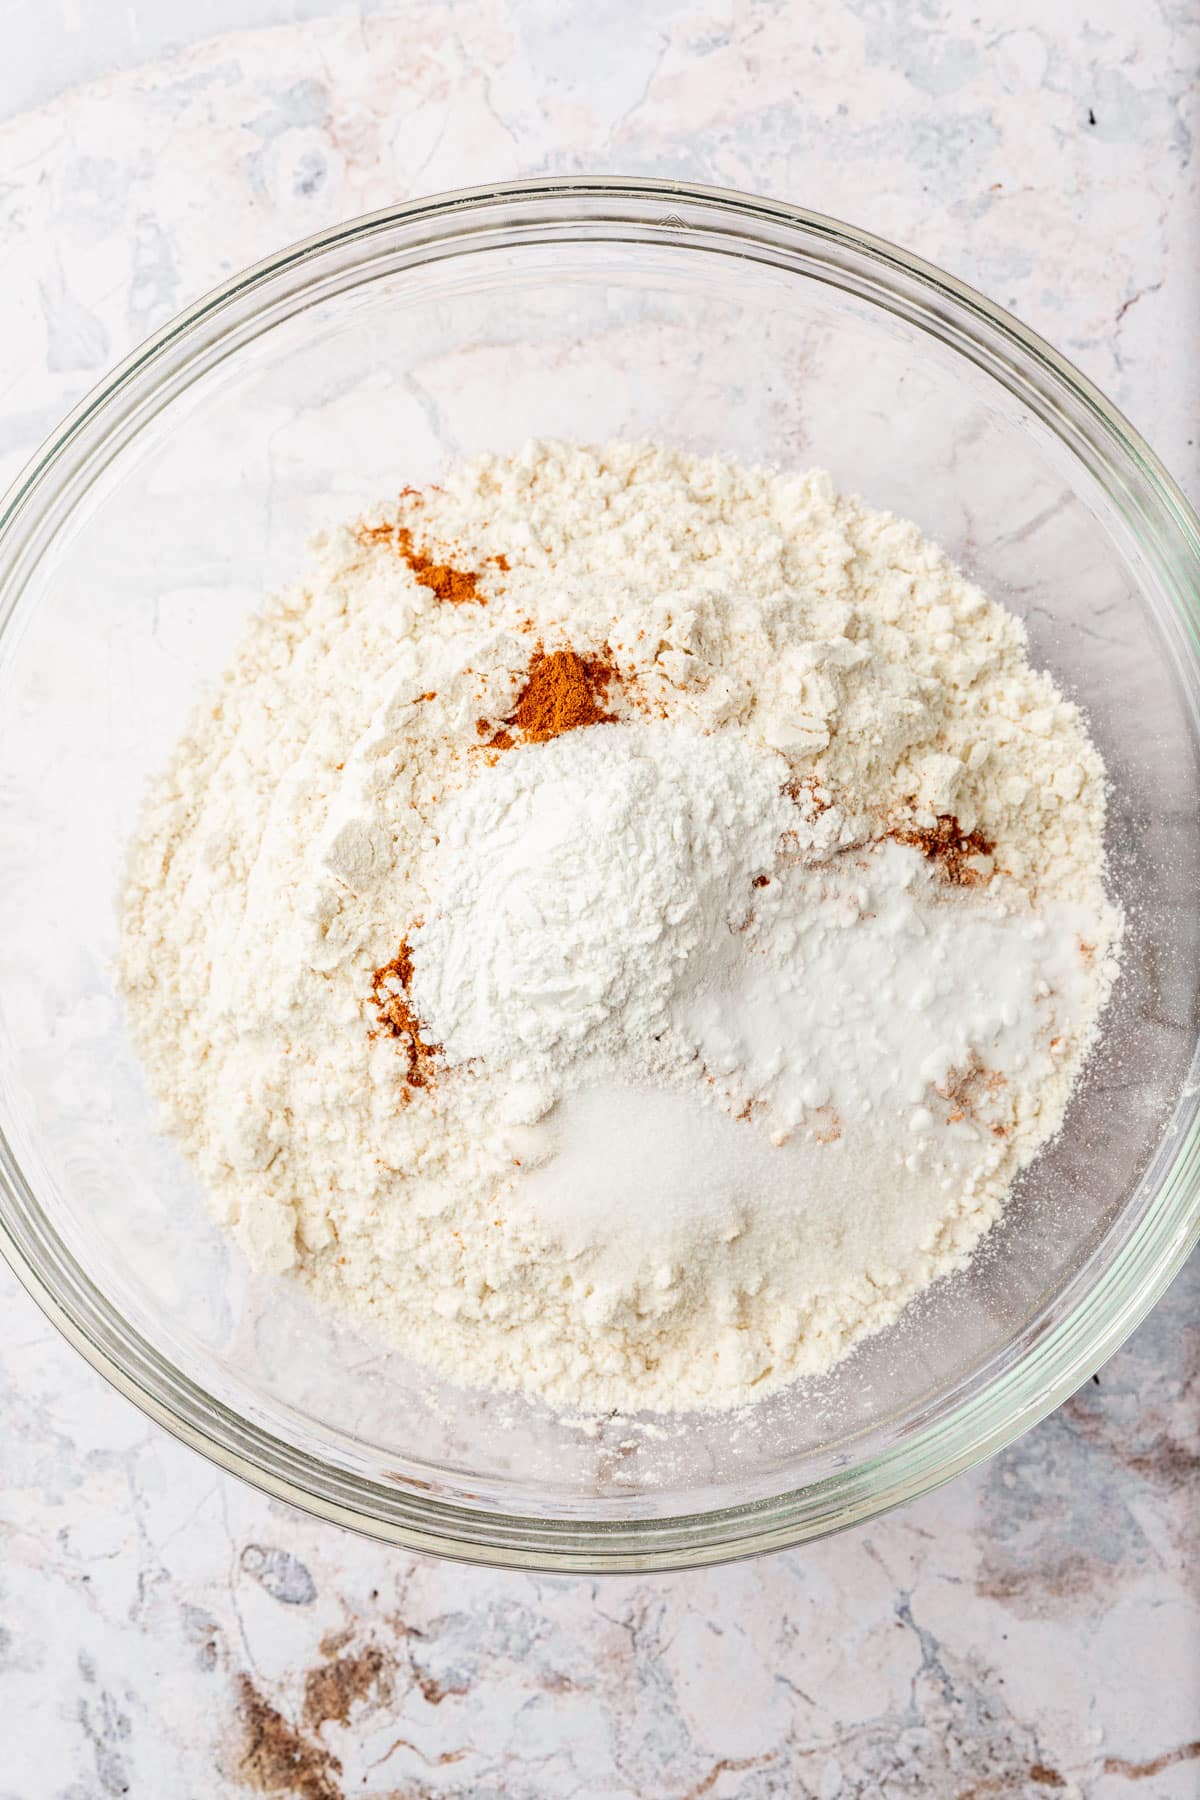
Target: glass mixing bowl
<point>335,373</point>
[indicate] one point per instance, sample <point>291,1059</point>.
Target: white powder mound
<point>652,1064</point>
<point>574,881</point>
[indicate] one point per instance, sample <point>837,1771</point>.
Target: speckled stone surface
<point>1034,1629</point>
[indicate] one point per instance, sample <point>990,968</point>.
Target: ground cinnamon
<point>499,740</point>
<point>955,852</point>
<point>441,578</point>
<point>974,1092</point>
<point>807,792</point>
<point>389,993</point>
<point>563,691</point>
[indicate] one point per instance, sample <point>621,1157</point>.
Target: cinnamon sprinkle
<point>389,995</point>
<point>955,852</point>
<point>563,692</point>
<point>451,584</point>
<point>806,791</point>
<point>824,1124</point>
<point>974,1093</point>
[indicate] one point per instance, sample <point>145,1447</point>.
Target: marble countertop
<point>1031,1630</point>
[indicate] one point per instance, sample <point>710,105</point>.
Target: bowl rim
<point>1057,1362</point>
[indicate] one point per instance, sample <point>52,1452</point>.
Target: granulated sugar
<point>623,925</point>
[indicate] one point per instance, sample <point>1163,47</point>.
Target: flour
<point>727,1064</point>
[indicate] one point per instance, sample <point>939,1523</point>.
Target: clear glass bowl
<point>357,362</point>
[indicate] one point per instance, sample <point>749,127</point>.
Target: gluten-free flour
<point>622,924</point>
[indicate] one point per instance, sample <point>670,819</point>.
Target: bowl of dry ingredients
<point>598,955</point>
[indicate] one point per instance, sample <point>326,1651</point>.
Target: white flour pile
<point>623,925</point>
